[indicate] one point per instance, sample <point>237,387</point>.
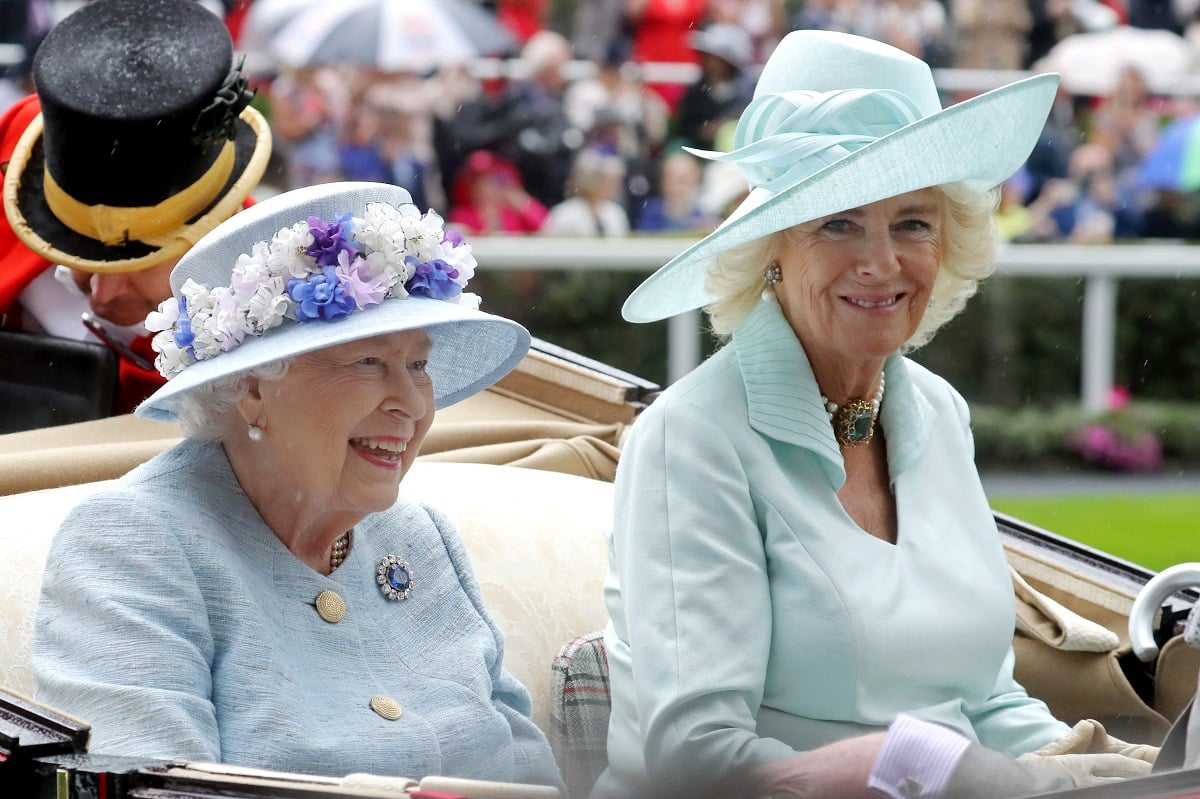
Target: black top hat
<point>145,141</point>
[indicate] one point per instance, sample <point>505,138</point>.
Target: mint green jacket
<point>752,618</point>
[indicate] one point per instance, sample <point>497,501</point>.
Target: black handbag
<point>47,381</point>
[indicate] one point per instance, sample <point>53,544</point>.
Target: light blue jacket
<point>174,621</point>
<point>752,618</point>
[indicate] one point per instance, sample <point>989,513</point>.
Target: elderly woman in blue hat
<point>258,595</point>
<point>799,560</point>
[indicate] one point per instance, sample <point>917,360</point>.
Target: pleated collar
<point>784,400</point>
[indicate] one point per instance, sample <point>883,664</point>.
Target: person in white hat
<point>258,595</point>
<point>799,561</point>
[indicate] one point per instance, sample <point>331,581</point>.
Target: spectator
<point>1083,208</point>
<point>1127,123</point>
<point>598,29</point>
<point>23,23</point>
<point>1052,153</point>
<point>488,198</point>
<point>1052,21</point>
<point>660,31</point>
<point>825,15</point>
<point>305,126</point>
<point>406,103</point>
<point>992,34</point>
<point>764,20</point>
<point>466,116</point>
<point>1155,14</point>
<point>723,89</point>
<point>360,147</point>
<point>593,207</point>
<point>522,18</point>
<point>676,207</point>
<point>617,92</point>
<point>917,27</point>
<point>1013,217</point>
<point>536,133</point>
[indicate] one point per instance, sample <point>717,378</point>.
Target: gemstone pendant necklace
<point>854,422</point>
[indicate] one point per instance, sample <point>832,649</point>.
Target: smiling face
<point>340,430</point>
<point>856,284</point>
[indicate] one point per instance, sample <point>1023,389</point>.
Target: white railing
<point>1100,267</point>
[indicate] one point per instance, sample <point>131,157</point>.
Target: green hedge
<point>1032,437</point>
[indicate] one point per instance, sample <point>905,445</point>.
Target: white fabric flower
<point>286,253</point>
<point>170,360</point>
<point>251,270</point>
<point>469,300</point>
<point>165,317</point>
<point>381,230</point>
<point>266,305</point>
<point>392,269</point>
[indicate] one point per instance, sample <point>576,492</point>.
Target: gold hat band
<point>115,225</point>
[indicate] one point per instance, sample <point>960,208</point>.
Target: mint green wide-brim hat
<point>471,349</point>
<point>840,121</point>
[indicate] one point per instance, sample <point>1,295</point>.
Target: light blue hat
<point>321,266</point>
<point>839,121</point>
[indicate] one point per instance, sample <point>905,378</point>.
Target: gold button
<point>386,707</point>
<point>331,607</point>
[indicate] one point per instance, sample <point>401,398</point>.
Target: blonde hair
<point>735,276</point>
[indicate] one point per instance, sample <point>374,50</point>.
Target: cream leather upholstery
<point>536,541</point>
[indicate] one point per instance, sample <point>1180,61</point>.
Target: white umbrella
<point>391,35</point>
<point>1091,62</point>
<point>263,21</point>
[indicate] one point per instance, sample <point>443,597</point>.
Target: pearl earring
<point>932,300</point>
<point>773,276</point>
<point>254,432</point>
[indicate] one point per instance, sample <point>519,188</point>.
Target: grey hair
<point>204,411</point>
<point>735,276</point>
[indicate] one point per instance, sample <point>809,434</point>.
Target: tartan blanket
<point>579,709</point>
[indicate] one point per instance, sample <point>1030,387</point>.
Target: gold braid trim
<point>115,225</point>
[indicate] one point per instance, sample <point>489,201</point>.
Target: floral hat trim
<point>315,271</point>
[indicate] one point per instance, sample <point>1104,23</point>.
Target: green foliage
<point>1039,438</point>
<point>1019,341</point>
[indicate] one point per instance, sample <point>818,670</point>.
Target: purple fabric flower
<point>433,279</point>
<point>358,283</point>
<point>454,237</point>
<point>330,239</point>
<point>320,297</point>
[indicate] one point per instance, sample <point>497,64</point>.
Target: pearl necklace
<point>854,422</point>
<point>341,546</point>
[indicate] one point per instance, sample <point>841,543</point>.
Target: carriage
<point>539,451</point>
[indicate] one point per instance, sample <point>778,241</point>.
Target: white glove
<point>1091,756</point>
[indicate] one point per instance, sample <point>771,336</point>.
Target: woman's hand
<point>1091,756</point>
<point>837,771</point>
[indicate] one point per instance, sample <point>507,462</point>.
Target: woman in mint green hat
<point>799,561</point>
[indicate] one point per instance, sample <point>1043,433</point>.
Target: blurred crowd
<point>586,139</point>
